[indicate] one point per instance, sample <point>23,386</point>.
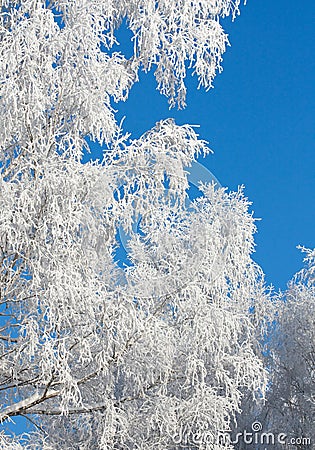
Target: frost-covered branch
<point>99,355</point>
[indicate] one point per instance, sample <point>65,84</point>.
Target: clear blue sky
<point>259,120</point>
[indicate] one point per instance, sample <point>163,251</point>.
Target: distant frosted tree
<point>288,410</point>
<point>290,405</point>
<point>155,355</point>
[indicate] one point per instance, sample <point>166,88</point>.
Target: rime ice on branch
<point>98,357</point>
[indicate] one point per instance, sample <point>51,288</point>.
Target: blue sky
<point>259,120</point>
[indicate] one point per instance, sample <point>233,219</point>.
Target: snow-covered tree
<point>290,406</point>
<point>288,411</point>
<point>96,356</point>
